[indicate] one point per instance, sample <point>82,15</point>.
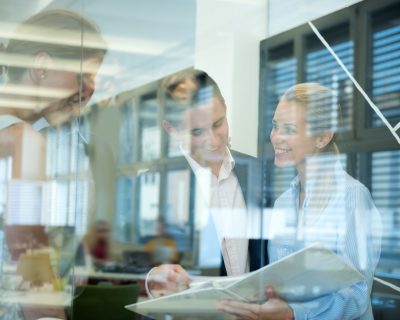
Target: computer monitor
<point>137,261</point>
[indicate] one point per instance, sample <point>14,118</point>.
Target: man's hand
<point>274,309</point>
<point>167,279</point>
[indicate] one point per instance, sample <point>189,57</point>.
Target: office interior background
<point>114,163</point>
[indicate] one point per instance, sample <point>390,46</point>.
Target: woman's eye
<point>290,130</point>
<point>274,125</point>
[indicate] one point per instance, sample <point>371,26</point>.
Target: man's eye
<point>197,132</point>
<point>274,125</point>
<point>218,123</point>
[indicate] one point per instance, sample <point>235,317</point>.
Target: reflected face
<point>208,131</point>
<point>79,89</point>
<point>289,136</point>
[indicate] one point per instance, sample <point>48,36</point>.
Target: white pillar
<point>228,34</point>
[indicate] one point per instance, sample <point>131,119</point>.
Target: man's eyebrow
<point>223,117</point>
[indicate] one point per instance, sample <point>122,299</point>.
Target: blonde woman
<point>323,204</point>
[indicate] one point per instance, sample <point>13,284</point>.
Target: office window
<point>149,126</point>
<point>385,188</point>
<point>148,196</point>
<point>372,158</point>
<point>385,61</point>
<point>280,75</point>
<point>177,207</point>
<point>126,134</point>
<point>63,150</point>
<point>322,67</point>
<point>123,209</point>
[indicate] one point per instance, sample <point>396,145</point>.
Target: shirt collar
<point>40,124</point>
<point>323,162</point>
<point>228,164</point>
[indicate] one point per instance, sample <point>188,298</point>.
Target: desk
<point>84,273</point>
<point>37,304</point>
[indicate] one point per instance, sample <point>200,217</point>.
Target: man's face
<point>78,90</point>
<point>207,131</point>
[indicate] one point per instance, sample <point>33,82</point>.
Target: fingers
<point>167,279</point>
<point>242,310</point>
<point>181,273</point>
<point>271,293</point>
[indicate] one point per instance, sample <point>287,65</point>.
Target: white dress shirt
<point>224,198</point>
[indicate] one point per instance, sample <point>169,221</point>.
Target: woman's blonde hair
<point>322,115</point>
<point>322,110</point>
<point>60,33</point>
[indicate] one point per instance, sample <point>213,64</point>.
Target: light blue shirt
<point>345,220</point>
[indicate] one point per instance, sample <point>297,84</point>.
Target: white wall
<point>228,34</point>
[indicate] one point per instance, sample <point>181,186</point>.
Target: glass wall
<point>199,159</point>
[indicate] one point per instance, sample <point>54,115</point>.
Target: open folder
<point>304,275</point>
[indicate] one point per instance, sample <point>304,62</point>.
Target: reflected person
<point>196,120</point>
<point>49,77</point>
<point>323,204</point>
<point>52,82</point>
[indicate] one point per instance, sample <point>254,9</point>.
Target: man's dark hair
<point>184,90</point>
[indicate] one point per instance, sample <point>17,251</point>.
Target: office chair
<point>103,302</point>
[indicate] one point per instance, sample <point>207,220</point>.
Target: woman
<point>324,204</point>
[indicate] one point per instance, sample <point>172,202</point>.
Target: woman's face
<point>289,135</point>
<point>77,89</point>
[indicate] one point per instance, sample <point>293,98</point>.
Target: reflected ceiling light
<point>88,39</point>
<point>34,91</point>
<point>17,104</point>
<point>26,61</point>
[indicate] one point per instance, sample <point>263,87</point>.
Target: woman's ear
<point>323,140</point>
<point>41,66</point>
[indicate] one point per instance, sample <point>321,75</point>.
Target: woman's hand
<point>274,309</point>
<point>167,279</point>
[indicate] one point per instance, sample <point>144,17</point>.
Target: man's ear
<point>41,66</point>
<point>168,127</point>
<point>324,139</point>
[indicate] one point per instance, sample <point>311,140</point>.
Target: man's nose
<point>87,87</point>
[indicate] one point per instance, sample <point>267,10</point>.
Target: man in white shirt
<point>230,182</point>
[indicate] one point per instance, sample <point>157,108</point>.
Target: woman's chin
<point>283,163</point>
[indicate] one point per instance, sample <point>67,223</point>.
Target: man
<point>195,117</point>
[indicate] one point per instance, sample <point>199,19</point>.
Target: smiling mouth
<point>281,150</point>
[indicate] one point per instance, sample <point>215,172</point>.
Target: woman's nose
<point>276,136</point>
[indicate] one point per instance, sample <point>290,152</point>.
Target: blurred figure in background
<point>162,247</point>
<point>97,242</point>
